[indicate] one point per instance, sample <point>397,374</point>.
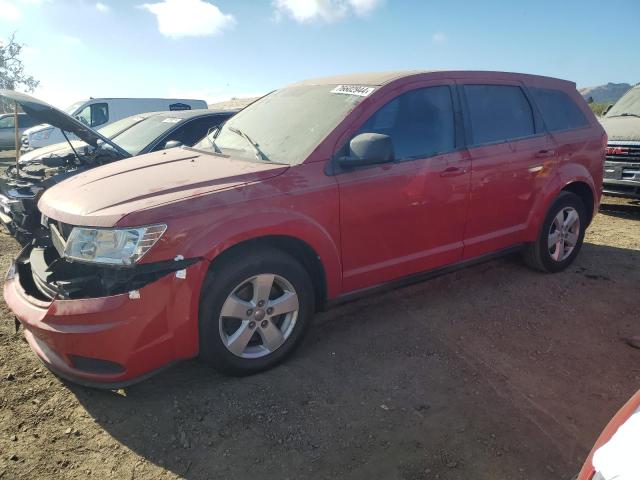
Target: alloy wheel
<point>258,316</point>
<point>564,233</point>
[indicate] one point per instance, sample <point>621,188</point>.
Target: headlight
<point>112,246</point>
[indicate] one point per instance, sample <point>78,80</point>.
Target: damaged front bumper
<point>86,326</point>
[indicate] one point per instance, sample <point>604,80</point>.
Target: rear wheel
<point>561,235</point>
<point>254,311</point>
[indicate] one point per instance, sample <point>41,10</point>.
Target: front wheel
<point>561,235</point>
<point>254,311</point>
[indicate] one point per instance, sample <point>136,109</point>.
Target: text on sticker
<point>358,90</point>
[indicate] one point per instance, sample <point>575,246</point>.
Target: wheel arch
<point>291,245</point>
<point>586,194</point>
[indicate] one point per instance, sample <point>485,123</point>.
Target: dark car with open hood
<point>22,185</point>
<point>622,164</point>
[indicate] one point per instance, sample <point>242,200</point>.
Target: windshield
<point>629,104</point>
<point>113,129</point>
<point>71,109</point>
<point>286,125</point>
<point>137,137</point>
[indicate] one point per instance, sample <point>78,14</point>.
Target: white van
<point>99,112</point>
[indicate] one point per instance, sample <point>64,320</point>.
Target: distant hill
<point>609,93</point>
<point>232,103</point>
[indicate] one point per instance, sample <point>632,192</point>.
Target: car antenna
<point>71,145</point>
<point>17,136</point>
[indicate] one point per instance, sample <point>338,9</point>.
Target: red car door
<point>511,155</point>
<point>408,215</point>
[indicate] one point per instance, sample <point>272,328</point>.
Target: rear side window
<point>558,110</point>
<point>420,123</point>
<point>498,113</point>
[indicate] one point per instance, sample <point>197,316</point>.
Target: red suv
<point>315,193</point>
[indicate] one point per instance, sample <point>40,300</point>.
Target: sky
<point>218,49</point>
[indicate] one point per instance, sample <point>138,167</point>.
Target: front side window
<point>7,122</point>
<point>498,113</point>
<point>288,124</point>
<point>420,123</point>
<point>94,115</point>
<point>558,110</point>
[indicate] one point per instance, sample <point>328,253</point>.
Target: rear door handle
<point>453,171</point>
<point>545,153</point>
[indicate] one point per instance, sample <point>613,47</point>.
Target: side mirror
<point>172,144</point>
<point>606,109</point>
<point>368,149</point>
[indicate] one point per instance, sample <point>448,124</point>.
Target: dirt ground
<point>494,372</point>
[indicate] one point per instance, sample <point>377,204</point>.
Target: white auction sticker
<point>171,120</point>
<point>358,90</point>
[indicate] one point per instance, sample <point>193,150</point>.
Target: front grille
<point>623,152</point>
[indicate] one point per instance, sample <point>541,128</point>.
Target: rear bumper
<point>112,341</point>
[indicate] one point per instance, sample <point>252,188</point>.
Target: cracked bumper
<point>112,341</point>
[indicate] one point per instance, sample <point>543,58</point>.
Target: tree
<point>12,75</point>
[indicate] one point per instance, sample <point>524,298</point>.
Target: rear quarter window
<point>558,110</point>
<point>498,113</point>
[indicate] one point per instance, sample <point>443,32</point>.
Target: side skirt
<point>421,276</point>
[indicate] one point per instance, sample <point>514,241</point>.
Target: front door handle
<point>453,171</point>
<point>545,153</point>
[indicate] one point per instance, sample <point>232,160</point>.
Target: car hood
<point>57,149</point>
<point>622,128</point>
<point>46,113</point>
<point>102,196</point>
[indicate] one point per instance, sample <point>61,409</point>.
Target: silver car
<point>7,129</point>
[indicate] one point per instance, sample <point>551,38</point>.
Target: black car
<point>21,186</point>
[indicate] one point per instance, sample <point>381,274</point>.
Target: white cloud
<point>102,8</point>
<point>182,18</point>
<point>439,38</point>
<point>8,11</point>
<point>327,10</point>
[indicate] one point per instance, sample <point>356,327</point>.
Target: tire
<point>539,255</point>
<point>235,285</point>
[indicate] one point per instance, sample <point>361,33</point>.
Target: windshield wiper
<point>259,153</point>
<point>211,135</point>
<point>626,114</point>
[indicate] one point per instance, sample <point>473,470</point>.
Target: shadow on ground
<point>628,209</point>
<point>490,372</point>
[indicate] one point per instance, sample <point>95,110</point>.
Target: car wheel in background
<point>254,310</point>
<point>561,235</point>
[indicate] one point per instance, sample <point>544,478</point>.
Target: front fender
<point>276,223</point>
<point>209,237</point>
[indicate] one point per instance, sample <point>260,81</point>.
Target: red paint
<point>367,226</point>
